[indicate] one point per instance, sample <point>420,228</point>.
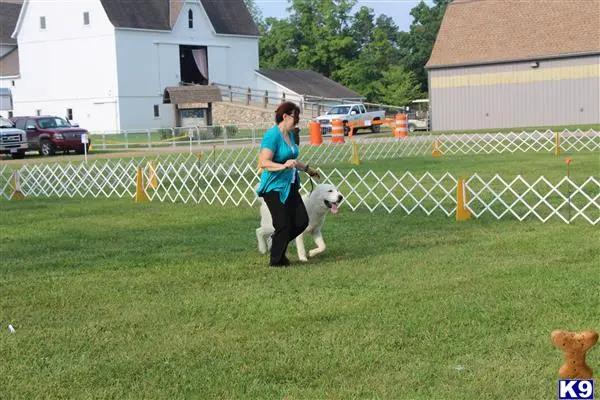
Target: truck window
<point>339,110</point>
<point>30,124</point>
<point>355,109</point>
<point>20,124</point>
<point>362,109</point>
<point>4,123</point>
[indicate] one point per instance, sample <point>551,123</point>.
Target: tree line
<point>352,46</point>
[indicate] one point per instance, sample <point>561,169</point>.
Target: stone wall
<point>226,113</point>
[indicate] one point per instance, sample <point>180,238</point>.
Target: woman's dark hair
<point>288,108</point>
<point>296,133</point>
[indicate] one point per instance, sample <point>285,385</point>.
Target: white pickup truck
<point>13,141</point>
<point>350,112</point>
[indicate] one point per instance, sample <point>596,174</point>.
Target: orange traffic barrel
<point>337,131</point>
<point>315,133</point>
<point>401,126</point>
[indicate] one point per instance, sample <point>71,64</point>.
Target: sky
<point>399,10</point>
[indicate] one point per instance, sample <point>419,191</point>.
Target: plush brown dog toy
<point>574,345</point>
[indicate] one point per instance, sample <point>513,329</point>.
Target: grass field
<point>111,299</point>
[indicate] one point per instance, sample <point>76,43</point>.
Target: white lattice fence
<point>541,199</point>
<point>233,185</point>
<point>390,148</point>
<point>6,189</point>
<point>78,180</point>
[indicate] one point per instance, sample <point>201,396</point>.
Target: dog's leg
<point>318,237</point>
<point>300,247</point>
<point>262,245</point>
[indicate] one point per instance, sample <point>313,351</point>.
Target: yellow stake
<point>462,213</point>
<point>15,182</point>
<point>436,149</point>
<point>140,193</point>
<point>355,157</point>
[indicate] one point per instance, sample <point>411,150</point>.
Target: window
<point>156,111</point>
<point>70,114</point>
<point>20,124</point>
<point>52,122</point>
<point>190,19</point>
<point>86,18</point>
<point>42,22</point>
<point>10,114</point>
<point>38,112</point>
<point>30,124</point>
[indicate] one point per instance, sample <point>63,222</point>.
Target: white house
<point>110,65</point>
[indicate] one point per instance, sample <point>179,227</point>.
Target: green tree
<point>322,41</point>
<point>417,44</point>
<point>375,56</point>
<point>362,27</point>
<point>277,45</point>
<point>367,54</point>
<point>397,86</point>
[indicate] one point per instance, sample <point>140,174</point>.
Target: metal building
<point>504,64</point>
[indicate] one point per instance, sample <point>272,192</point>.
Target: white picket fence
<point>514,198</point>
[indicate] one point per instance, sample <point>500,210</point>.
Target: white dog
<point>322,199</point>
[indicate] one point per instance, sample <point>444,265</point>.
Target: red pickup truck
<point>49,134</point>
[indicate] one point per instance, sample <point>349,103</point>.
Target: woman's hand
<point>289,164</point>
<point>265,161</point>
<point>313,173</point>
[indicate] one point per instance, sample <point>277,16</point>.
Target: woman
<point>280,181</point>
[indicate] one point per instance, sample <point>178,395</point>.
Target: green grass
<point>112,299</point>
<point>530,165</point>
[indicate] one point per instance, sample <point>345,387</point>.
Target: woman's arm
<point>265,161</point>
<point>306,168</point>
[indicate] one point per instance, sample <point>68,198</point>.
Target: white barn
<point>107,64</point>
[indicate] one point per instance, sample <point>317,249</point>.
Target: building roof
<point>9,63</point>
<point>192,94</point>
<point>309,83</point>
<point>140,14</point>
<point>489,31</point>
<point>9,15</point>
<point>229,17</point>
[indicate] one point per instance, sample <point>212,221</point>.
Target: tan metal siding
<point>558,92</point>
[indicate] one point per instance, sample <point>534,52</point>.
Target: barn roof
<point>490,31</point>
<point>309,83</point>
<point>9,15</point>
<point>229,17</point>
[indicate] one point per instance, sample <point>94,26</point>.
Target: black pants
<point>289,220</point>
